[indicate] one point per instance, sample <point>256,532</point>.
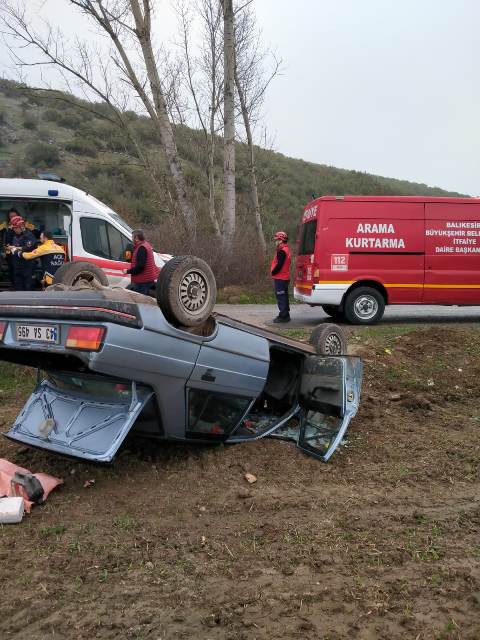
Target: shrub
<point>82,147</point>
<point>51,115</point>
<point>42,154</point>
<point>30,121</point>
<point>68,120</point>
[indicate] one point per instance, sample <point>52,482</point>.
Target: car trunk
<point>80,415</point>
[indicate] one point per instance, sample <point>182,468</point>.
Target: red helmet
<point>17,221</point>
<point>281,235</point>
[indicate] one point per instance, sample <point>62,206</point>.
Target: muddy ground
<point>382,542</point>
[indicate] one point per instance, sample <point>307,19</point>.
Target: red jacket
<point>284,272</point>
<point>150,271</point>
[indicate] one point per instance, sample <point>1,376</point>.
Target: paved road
<point>305,316</point>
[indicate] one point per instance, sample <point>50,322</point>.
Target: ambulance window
<point>94,237</point>
<point>102,239</point>
<point>307,240</point>
<point>118,243</point>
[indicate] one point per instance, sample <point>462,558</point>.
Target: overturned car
<point>112,362</point>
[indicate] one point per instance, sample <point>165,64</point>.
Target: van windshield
<point>307,239</point>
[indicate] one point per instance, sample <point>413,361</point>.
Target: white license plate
<point>37,333</point>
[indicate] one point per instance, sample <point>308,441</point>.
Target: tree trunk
<point>229,127</point>
<point>142,24</point>
<point>252,167</point>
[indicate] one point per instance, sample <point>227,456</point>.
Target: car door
<point>229,374</point>
<point>329,397</point>
<point>105,246</point>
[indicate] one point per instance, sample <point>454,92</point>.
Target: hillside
<point>38,131</point>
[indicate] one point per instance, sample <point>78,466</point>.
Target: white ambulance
<point>88,229</point>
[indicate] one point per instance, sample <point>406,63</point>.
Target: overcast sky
<point>391,87</point>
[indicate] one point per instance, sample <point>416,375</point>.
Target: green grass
<point>296,334</point>
<point>245,297</point>
<point>16,378</point>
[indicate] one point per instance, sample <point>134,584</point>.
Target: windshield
<point>122,222</point>
<point>112,213</point>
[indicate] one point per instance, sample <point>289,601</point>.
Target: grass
<point>16,378</point>
<point>296,334</point>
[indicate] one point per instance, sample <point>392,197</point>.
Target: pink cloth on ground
<point>8,470</point>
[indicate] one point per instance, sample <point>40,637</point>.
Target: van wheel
<point>364,305</point>
<point>333,311</point>
<point>186,291</point>
<point>329,340</point>
<point>74,272</point>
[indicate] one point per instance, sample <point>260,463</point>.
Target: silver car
<point>110,363</point>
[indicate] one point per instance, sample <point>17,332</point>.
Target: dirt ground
<point>171,542</point>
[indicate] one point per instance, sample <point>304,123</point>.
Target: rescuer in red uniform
<point>280,271</point>
<point>143,272</point>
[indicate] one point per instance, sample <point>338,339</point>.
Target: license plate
<point>37,333</point>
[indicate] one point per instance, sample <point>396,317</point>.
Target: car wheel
<point>329,340</point>
<point>186,291</point>
<point>333,311</point>
<point>74,272</point>
<point>364,305</point>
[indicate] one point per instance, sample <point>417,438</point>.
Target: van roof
<point>36,188</point>
<point>397,199</point>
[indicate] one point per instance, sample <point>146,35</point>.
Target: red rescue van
<point>357,254</point>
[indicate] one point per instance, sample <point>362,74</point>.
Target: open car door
<point>80,415</point>
<point>329,397</point>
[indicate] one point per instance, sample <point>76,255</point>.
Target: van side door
<point>104,245</point>
<point>452,253</point>
<point>380,241</point>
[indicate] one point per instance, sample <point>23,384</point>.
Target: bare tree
<point>204,84</point>
<point>128,25</point>
<point>251,82</point>
<point>229,125</point>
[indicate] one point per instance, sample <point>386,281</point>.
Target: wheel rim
<point>366,307</point>
<point>333,344</point>
<point>193,292</point>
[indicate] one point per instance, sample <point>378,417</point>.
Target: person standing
<point>280,271</point>
<point>143,272</point>
<point>51,255</point>
<point>23,240</point>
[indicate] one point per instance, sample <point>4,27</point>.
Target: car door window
<point>214,415</point>
<point>118,243</point>
<point>102,239</point>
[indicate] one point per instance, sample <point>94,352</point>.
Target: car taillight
<point>86,338</point>
<point>3,328</point>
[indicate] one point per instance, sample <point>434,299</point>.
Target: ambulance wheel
<point>329,340</point>
<point>186,291</point>
<point>364,305</point>
<point>73,272</point>
<point>333,311</point>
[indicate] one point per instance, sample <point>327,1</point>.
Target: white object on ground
<point>11,510</point>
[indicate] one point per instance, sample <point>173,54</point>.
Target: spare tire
<point>73,272</point>
<point>329,340</point>
<point>186,291</point>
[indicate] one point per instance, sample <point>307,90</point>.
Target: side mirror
<point>128,253</point>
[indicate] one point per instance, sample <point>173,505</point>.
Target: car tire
<point>186,291</point>
<point>364,305</point>
<point>73,272</point>
<point>333,311</point>
<point>329,340</point>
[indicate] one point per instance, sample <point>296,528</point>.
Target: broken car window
<point>214,414</point>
